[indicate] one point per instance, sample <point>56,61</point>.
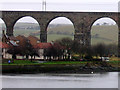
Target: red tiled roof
<point>43,45</point>
<point>3,45</point>
<point>48,45</point>
<point>57,45</point>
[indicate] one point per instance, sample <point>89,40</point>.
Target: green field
<point>28,62</point>
<point>63,28</point>
<point>53,37</point>
<point>106,34</point>
<point>100,34</point>
<point>24,32</point>
<point>50,37</point>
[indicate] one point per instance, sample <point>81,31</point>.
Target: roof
<point>33,37</point>
<point>13,38</point>
<point>48,45</point>
<point>4,45</point>
<point>20,37</point>
<point>13,43</point>
<point>57,45</point>
<point>33,40</point>
<point>43,45</point>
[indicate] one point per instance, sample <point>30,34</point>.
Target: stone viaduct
<point>82,22</point>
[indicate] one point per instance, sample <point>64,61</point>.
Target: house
<point>3,49</point>
<point>6,43</point>
<point>10,42</point>
<point>41,47</point>
<point>33,40</point>
<point>21,42</point>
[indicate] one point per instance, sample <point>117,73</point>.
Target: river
<point>95,80</point>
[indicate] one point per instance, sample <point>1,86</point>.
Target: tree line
<point>65,49</point>
<point>72,47</point>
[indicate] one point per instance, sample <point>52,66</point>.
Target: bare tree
<point>67,43</point>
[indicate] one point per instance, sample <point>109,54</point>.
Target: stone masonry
<point>82,22</point>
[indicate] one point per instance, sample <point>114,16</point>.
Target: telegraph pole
<point>43,5</point>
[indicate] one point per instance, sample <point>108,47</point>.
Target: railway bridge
<point>82,22</point>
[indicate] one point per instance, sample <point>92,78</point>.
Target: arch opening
<point>60,27</point>
<point>27,26</point>
<point>2,39</point>
<point>2,27</point>
<point>104,31</point>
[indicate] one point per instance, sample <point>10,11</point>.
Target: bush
<point>88,57</point>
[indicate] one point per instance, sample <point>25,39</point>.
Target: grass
<point>114,63</point>
<point>24,32</point>
<point>106,34</point>
<point>28,62</point>
<point>65,62</point>
<point>53,37</point>
<point>20,62</point>
<point>23,62</point>
<point>114,59</point>
<point>58,67</point>
<point>62,28</point>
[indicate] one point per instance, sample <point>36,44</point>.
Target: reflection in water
<point>97,80</point>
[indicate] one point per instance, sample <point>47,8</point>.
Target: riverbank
<point>86,67</point>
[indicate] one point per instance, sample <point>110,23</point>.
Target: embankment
<point>57,68</point>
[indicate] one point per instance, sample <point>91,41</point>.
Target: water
<point>98,80</point>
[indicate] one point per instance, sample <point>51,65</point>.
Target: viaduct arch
<point>82,22</point>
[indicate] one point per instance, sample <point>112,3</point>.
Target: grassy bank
<point>114,63</point>
<point>21,66</point>
<point>28,62</point>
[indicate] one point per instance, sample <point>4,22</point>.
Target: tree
<point>55,51</point>
<point>67,43</point>
<point>112,49</point>
<point>24,48</point>
<point>14,51</point>
<point>99,49</point>
<point>75,47</point>
<point>88,52</point>
<point>29,50</point>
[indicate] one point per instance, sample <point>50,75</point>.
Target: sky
<point>60,5</point>
<point>65,1</point>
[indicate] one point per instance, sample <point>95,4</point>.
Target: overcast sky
<point>61,5</point>
<point>65,1</point>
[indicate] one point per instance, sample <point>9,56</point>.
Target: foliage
<point>104,50</point>
<point>24,48</point>
<point>55,51</point>
<point>67,43</point>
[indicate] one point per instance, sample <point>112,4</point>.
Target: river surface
<point>95,80</point>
